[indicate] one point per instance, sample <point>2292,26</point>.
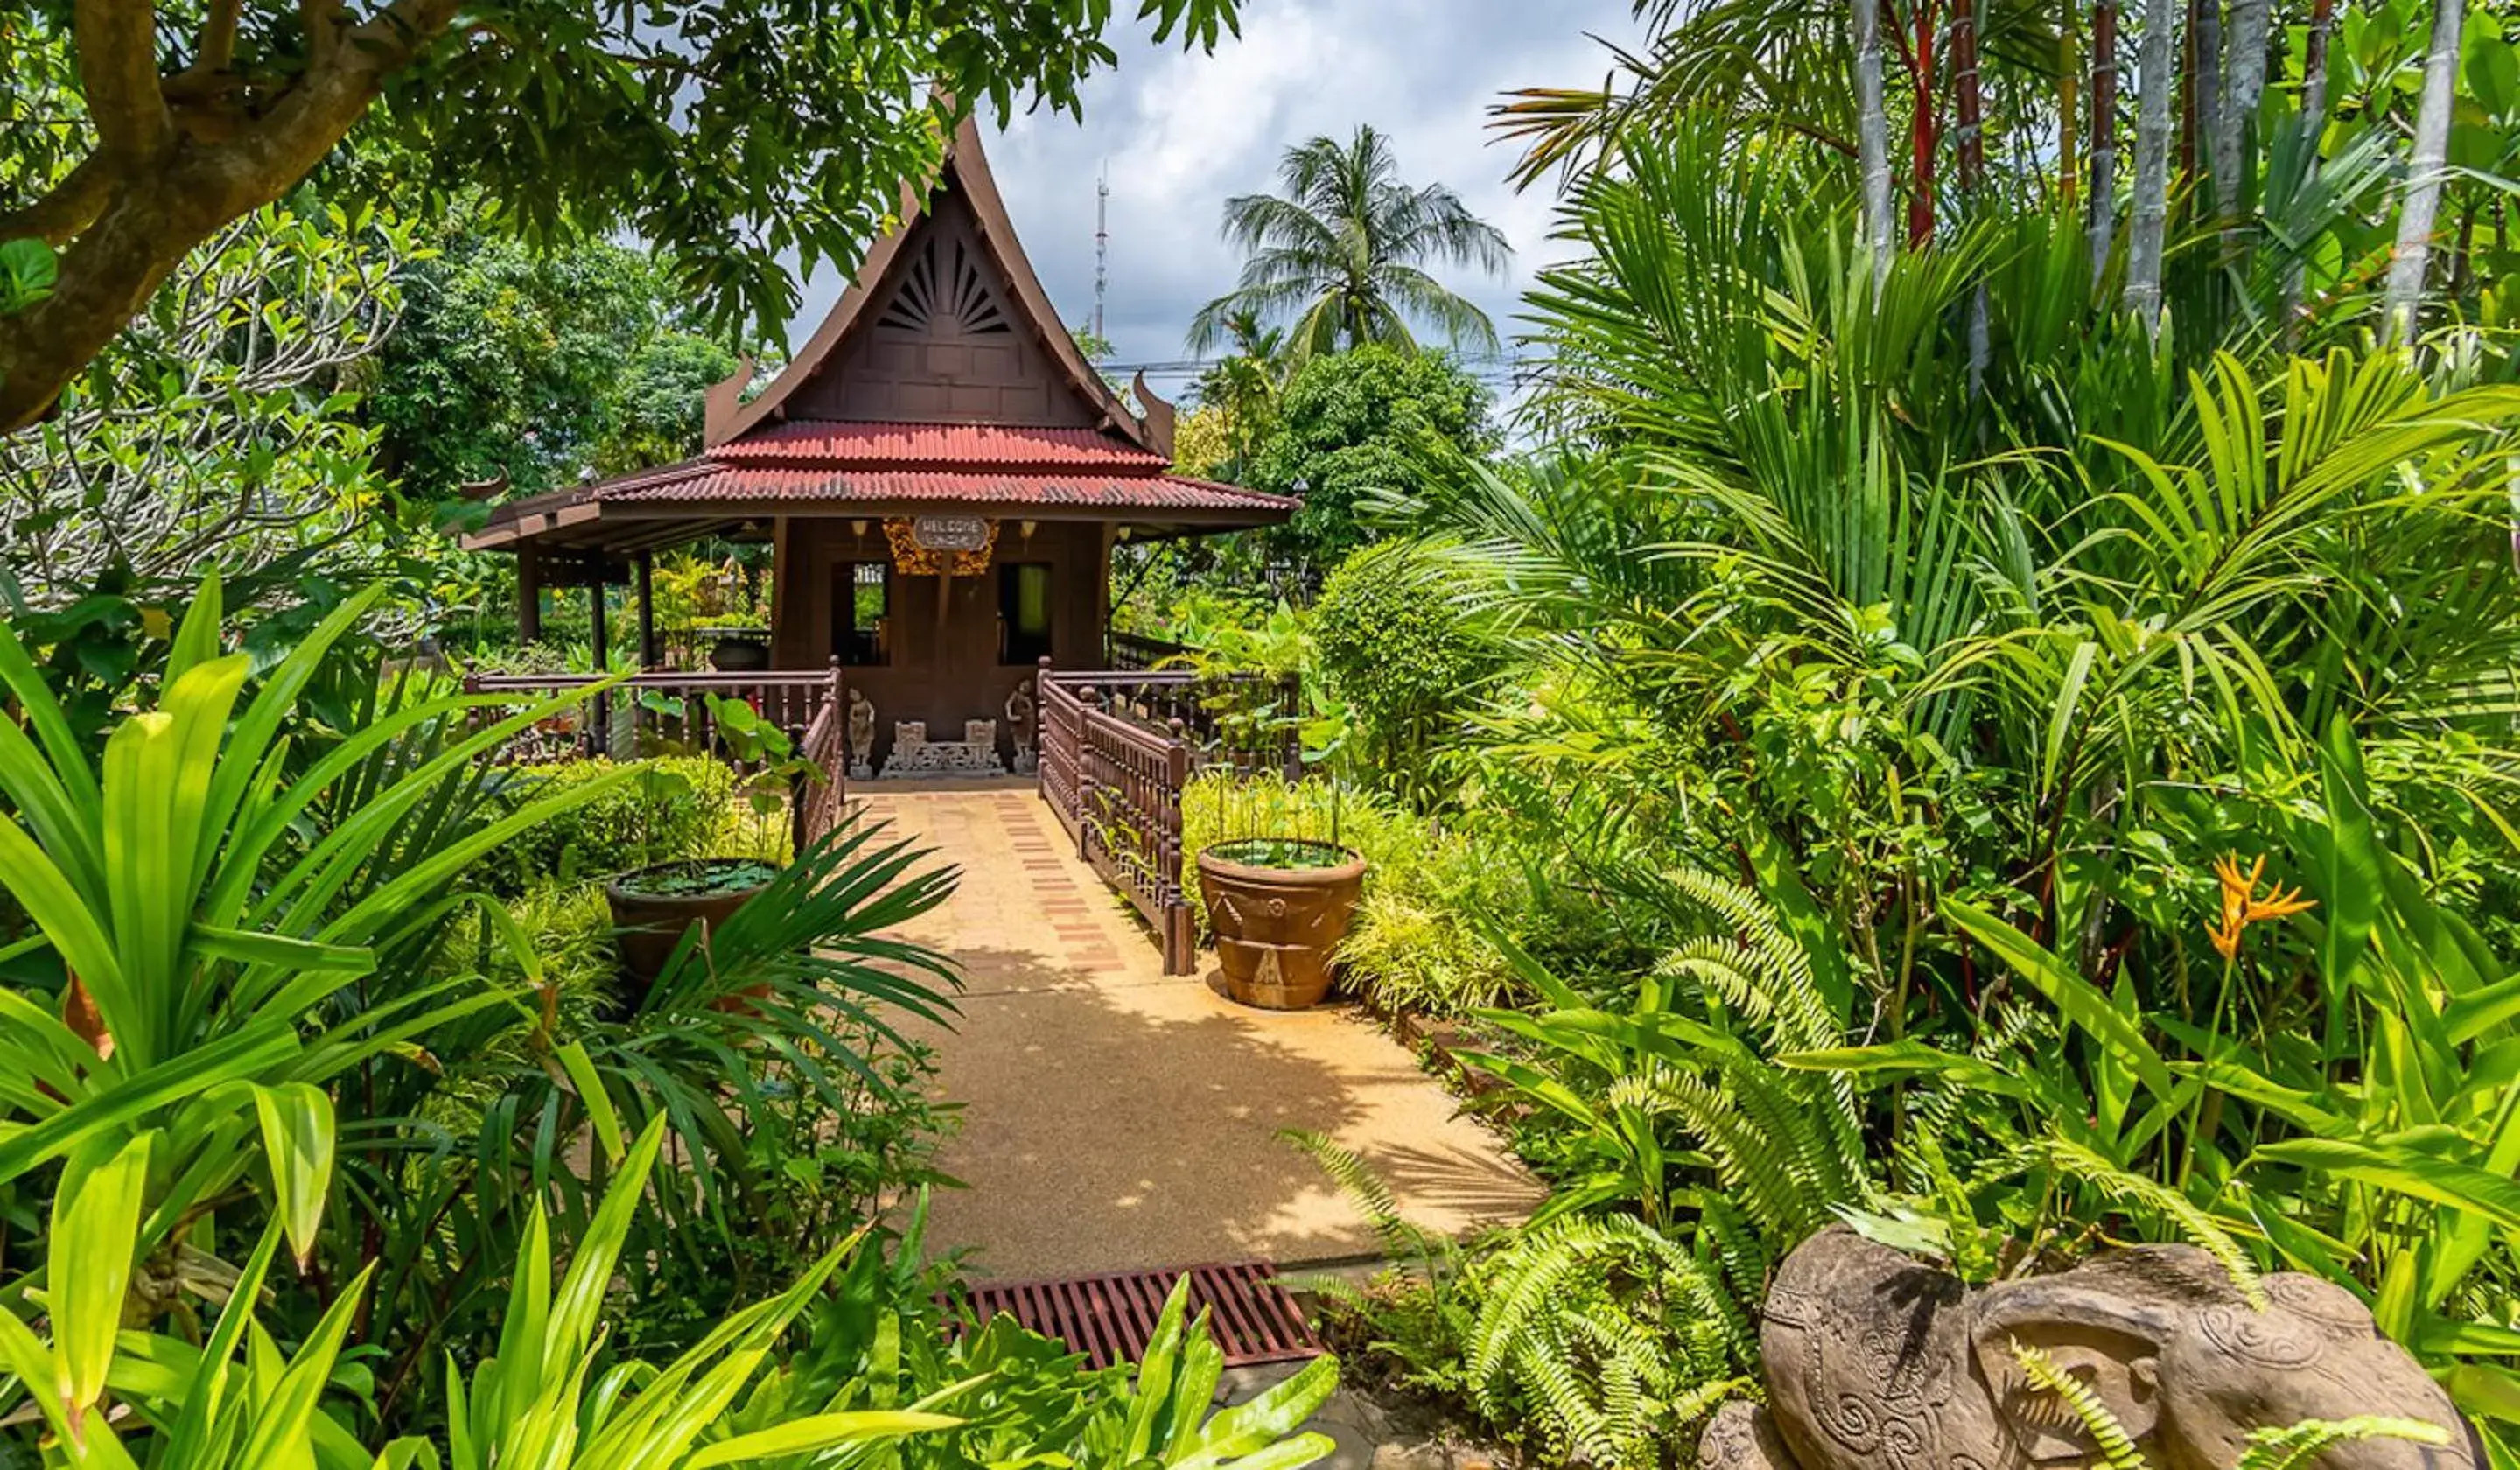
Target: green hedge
<point>1400,647</point>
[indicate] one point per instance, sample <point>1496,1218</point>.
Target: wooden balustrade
<point>1118,748</point>
<point>1132,652</point>
<point>671,710</point>
<point>648,710</point>
<point>818,806</point>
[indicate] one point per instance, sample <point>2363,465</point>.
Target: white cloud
<point>1183,132</point>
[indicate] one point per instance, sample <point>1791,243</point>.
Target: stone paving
<point>1115,1118</point>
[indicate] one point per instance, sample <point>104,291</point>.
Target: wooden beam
<point>603,659</point>
<point>530,595</point>
<point>646,572</point>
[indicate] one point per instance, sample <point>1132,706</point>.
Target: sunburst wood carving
<point>946,294</point>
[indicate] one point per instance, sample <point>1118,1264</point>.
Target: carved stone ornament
<point>1020,712</point>
<point>1878,1361</point>
<point>951,545</point>
<point>861,735</point>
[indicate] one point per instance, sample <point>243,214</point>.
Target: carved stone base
<point>915,755</point>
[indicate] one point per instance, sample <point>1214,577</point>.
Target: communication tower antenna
<point>1102,245</point>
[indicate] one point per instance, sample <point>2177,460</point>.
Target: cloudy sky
<point>1184,131</point>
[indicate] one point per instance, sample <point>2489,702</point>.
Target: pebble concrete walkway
<point>1115,1118</point>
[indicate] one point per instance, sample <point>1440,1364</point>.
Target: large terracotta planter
<point>650,924</point>
<point>1276,928</point>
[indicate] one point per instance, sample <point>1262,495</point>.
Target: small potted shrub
<point>655,904</point>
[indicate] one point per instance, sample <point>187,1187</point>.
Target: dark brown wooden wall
<point>943,671</point>
<point>945,343</point>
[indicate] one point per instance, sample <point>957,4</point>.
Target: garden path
<point>1116,1118</point>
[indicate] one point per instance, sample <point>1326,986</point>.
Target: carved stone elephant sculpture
<point>1876,1362</point>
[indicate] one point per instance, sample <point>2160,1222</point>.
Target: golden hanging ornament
<point>950,546</point>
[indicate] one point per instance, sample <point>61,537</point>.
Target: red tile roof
<point>704,483</point>
<point>809,468</point>
<point>935,445</point>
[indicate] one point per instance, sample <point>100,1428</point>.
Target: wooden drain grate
<point>1110,1318</point>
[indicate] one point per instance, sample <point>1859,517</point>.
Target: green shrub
<point>674,807</point>
<point>1399,650</point>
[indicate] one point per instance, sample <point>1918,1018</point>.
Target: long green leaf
<point>95,1234</point>
<point>2078,1000</point>
<point>297,1143</point>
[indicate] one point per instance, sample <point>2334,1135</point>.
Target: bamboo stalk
<point>2105,135</point>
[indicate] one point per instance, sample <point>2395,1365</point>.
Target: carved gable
<point>947,343</point>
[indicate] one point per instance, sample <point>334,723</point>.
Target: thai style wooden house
<point>941,477</point>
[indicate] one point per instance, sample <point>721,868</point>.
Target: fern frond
<point>2075,1161</point>
<point>1369,1193</point>
<point>1707,1398</point>
<point>2294,1448</point>
<point>1744,1255</point>
<point>2116,1446</point>
<point>1547,1370</point>
<point>1768,976</point>
<point>1747,1163</point>
<point>1816,1150</point>
<point>1528,1278</point>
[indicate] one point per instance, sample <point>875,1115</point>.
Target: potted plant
<point>1279,898</point>
<point>1280,908</point>
<point>739,651</point>
<point>655,904</point>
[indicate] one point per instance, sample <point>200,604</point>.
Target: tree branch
<point>117,61</point>
<point>68,209</point>
<point>218,36</point>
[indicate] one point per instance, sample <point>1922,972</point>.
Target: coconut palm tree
<point>1342,253</point>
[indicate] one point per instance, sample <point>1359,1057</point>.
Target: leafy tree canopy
<point>1358,424</point>
<point>542,367</point>
<point>730,135</point>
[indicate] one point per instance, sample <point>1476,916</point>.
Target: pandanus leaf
<point>95,1234</point>
<point>815,1433</point>
<point>297,1143</point>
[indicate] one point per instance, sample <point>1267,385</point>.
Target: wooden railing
<point>1117,750</point>
<point>671,710</point>
<point>817,805</point>
<point>1134,652</point>
<point>648,710</point>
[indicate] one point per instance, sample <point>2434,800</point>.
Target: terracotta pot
<point>1276,927</point>
<point>651,924</point>
<point>740,656</point>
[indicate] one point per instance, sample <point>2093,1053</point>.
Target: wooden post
<point>603,732</point>
<point>800,796</point>
<point>1088,705</point>
<point>1293,692</point>
<point>529,594</point>
<point>1181,934</point>
<point>1041,729</point>
<point>647,570</point>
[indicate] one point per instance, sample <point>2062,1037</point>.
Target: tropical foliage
<point>1340,257</point>
<point>689,128</point>
<point>2027,698</point>
<point>253,1004</point>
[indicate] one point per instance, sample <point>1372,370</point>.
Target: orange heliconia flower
<point>2242,905</point>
